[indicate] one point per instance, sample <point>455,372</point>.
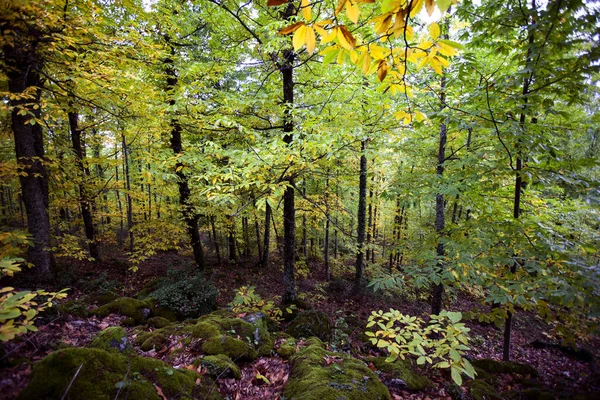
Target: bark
<point>215,239</point>
<point>257,233</point>
<point>326,249</point>
<point>22,65</point>
<point>190,216</point>
<point>266,237</point>
<point>440,219</point>
<point>86,199</point>
<point>128,187</point>
<point>289,209</point>
<point>119,205</point>
<point>231,239</point>
<point>362,220</point>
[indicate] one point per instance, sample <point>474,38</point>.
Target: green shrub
<point>188,296</point>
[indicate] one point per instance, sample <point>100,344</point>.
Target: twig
<point>71,383</point>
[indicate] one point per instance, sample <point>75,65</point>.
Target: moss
<point>112,338</point>
<point>155,341</point>
<point>158,322</point>
<point>311,323</point>
<point>503,367</point>
<point>101,298</point>
<point>101,370</point>
<point>313,379</point>
<point>77,308</point>
<point>204,330</point>
<point>482,390</point>
<point>287,348</point>
<point>219,366</point>
<point>401,369</point>
<point>230,346</point>
<point>138,310</point>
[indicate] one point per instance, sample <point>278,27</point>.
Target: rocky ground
<point>110,341</point>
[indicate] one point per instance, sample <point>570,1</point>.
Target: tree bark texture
<point>362,220</point>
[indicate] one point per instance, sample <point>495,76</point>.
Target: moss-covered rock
<point>401,369</point>
<point>112,338</point>
<point>155,341</point>
<point>101,298</point>
<point>138,310</point>
<point>219,366</point>
<point>77,308</point>
<point>232,347</point>
<point>312,378</point>
<point>158,322</point>
<point>482,390</point>
<point>287,348</point>
<point>503,367</point>
<point>311,323</point>
<point>225,334</point>
<point>101,374</point>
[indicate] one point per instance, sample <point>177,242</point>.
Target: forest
<point>299,199</point>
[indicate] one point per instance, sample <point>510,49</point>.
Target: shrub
<point>188,296</point>
<point>441,342</point>
<point>246,300</point>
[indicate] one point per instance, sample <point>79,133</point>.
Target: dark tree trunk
<point>326,245</point>
<point>370,221</point>
<point>190,216</point>
<point>257,233</point>
<point>22,66</point>
<point>128,187</point>
<point>519,184</point>
<point>215,239</point>
<point>86,200</point>
<point>119,205</point>
<point>362,220</point>
<point>289,208</point>
<point>437,295</point>
<point>231,239</point>
<point>267,236</point>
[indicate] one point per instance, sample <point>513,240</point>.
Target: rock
<point>313,378</point>
<point>113,338</point>
<point>503,367</point>
<point>158,322</point>
<point>137,310</point>
<point>219,366</point>
<point>311,323</point>
<point>482,390</point>
<point>101,374</point>
<point>401,369</point>
<point>287,348</point>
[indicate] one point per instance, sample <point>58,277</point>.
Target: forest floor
<point>557,369</point>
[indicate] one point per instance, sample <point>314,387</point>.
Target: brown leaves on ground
<point>252,386</point>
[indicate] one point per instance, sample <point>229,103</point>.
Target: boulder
<point>311,323</point>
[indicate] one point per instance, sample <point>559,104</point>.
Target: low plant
<point>246,300</point>
<point>188,296</point>
<point>441,342</point>
<point>19,309</point>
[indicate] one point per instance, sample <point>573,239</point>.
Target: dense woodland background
<point>423,154</point>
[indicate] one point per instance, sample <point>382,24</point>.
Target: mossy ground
<point>219,366</point>
<point>138,310</point>
<point>312,378</point>
<point>104,375</point>
<point>112,338</point>
<point>401,369</point>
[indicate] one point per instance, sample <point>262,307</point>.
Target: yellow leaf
<point>353,57</point>
<point>378,52</point>
<point>306,10</point>
<point>339,7</point>
<point>430,6</point>
<point>382,70</point>
<point>321,31</point>
<point>311,40</point>
<point>437,67</point>
<point>365,63</point>
<point>330,36</point>
<point>434,30</point>
<point>341,57</point>
<point>399,23</point>
<point>299,37</point>
<point>352,11</point>
<point>345,38</point>
<point>324,22</point>
<point>442,61</point>
<point>291,28</point>
<point>382,23</point>
<point>446,50</point>
<point>416,7</point>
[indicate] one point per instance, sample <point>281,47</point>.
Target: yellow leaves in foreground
<point>305,35</point>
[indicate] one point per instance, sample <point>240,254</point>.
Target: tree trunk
<point>86,200</point>
<point>128,187</point>
<point>231,239</point>
<point>257,233</point>
<point>267,236</point>
<point>215,239</point>
<point>22,66</point>
<point>327,216</point>
<point>190,216</point>
<point>289,208</point>
<point>362,217</point>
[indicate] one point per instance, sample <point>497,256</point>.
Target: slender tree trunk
<point>286,68</point>
<point>257,233</point>
<point>190,216</point>
<point>215,239</point>
<point>327,216</point>
<point>231,239</point>
<point>375,232</point>
<point>267,236</point>
<point>119,204</point>
<point>86,200</point>
<point>370,221</point>
<point>519,184</point>
<point>362,220</point>
<point>128,187</point>
<point>440,218</point>
<point>22,65</point>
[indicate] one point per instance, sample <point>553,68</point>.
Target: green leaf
<point>456,377</point>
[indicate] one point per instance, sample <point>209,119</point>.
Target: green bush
<point>188,296</point>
